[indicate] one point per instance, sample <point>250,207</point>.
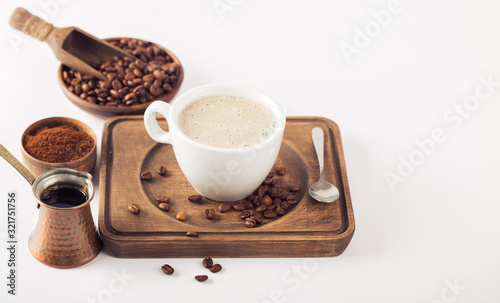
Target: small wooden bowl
<point>129,110</point>
<point>37,166</point>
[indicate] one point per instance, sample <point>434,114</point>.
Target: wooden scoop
<point>72,46</point>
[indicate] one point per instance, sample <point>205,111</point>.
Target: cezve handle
<point>30,24</point>
<point>16,164</point>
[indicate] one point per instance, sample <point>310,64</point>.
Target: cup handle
<point>152,127</point>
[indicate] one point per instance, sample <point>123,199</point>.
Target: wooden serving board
<point>309,229</point>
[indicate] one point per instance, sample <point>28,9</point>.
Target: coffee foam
<point>227,121</point>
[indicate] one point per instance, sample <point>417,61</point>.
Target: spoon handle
<point>29,24</point>
<point>319,144</point>
<point>16,164</point>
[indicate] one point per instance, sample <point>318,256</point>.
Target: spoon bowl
<point>322,191</point>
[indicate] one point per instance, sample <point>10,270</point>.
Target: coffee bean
<point>195,198</point>
<point>248,205</point>
<point>148,78</point>
<point>261,208</point>
<point>134,208</point>
<point>167,269</point>
<point>201,278</point>
<point>257,217</point>
<point>270,213</point>
<point>251,197</point>
<point>239,205</point>
<point>293,188</point>
<point>266,200</point>
<point>146,175</point>
<point>268,181</point>
<point>270,175</point>
<point>164,206</point>
<point>280,211</point>
<point>162,170</point>
<point>181,216</point>
<point>277,202</point>
<point>245,214</point>
<point>250,222</point>
<point>284,195</point>
<point>292,199</point>
<point>225,207</point>
<point>285,205</point>
<point>209,213</point>
<point>281,170</point>
<point>256,201</point>
<point>163,199</point>
<point>262,191</point>
<point>216,268</point>
<point>272,207</point>
<point>277,183</point>
<point>275,192</point>
<point>208,262</point>
<point>192,234</point>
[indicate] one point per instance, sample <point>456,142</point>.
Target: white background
<point>434,238</point>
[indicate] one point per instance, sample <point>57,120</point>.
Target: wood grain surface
<point>309,229</point>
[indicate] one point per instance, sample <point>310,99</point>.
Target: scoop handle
<point>31,25</point>
<point>16,164</point>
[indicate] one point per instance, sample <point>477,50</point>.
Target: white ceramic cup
<point>220,174</point>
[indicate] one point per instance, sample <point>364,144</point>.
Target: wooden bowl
<point>129,110</point>
<point>37,166</point>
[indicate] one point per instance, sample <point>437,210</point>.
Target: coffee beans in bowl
<point>58,142</point>
<point>133,83</point>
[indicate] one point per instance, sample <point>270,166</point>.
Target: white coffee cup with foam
<point>226,171</point>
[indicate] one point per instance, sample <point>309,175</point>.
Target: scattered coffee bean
<point>292,199</point>
<point>130,82</point>
<point>256,201</point>
<point>209,213</point>
<point>250,222</point>
<point>216,268</point>
<point>272,207</point>
<point>162,170</point>
<point>285,205</point>
<point>201,278</point>
<point>270,175</point>
<point>181,216</point>
<point>163,199</point>
<point>225,207</point>
<point>134,208</point>
<point>262,191</point>
<point>270,213</point>
<point>167,269</point>
<point>257,217</point>
<point>164,206</point>
<point>245,214</point>
<point>275,192</point>
<point>248,205</point>
<point>261,208</point>
<point>280,211</point>
<point>277,183</point>
<point>266,200</point>
<point>268,181</point>
<point>192,234</point>
<point>281,170</point>
<point>195,198</point>
<point>293,188</point>
<point>239,205</point>
<point>208,262</point>
<point>277,202</point>
<point>146,175</point>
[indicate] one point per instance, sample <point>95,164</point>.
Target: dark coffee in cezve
<point>63,196</point>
